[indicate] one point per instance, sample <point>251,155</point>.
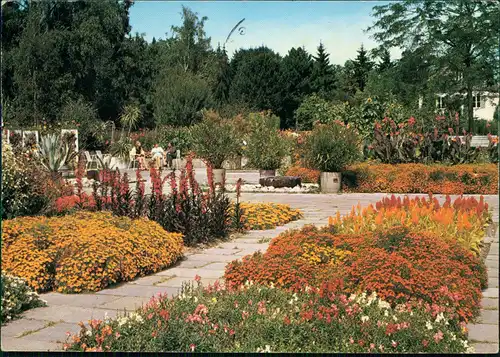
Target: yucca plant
<point>54,153</point>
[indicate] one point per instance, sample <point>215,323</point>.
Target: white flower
<point>88,333</point>
<point>365,318</point>
<point>453,337</point>
<point>352,297</point>
<point>195,299</point>
<point>439,317</point>
<point>428,325</point>
<point>384,304</point>
<point>386,313</point>
<point>394,318</point>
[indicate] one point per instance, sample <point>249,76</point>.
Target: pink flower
<point>351,340</point>
<point>394,344</point>
<point>150,316</point>
<point>372,346</point>
<point>192,347</point>
<point>411,121</point>
<point>245,315</point>
<point>438,336</point>
<point>197,277</point>
<point>425,343</point>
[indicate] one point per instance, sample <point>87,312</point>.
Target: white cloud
<point>341,38</point>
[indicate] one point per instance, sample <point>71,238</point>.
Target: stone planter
<point>267,173</point>
<point>219,175</point>
<point>330,182</point>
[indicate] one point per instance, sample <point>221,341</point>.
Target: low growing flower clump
<point>256,216</point>
<point>462,221</point>
<point>396,263</point>
<point>307,175</point>
<point>420,178</point>
<point>17,297</point>
<point>263,319</point>
<point>85,251</point>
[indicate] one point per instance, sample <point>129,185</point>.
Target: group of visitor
<point>159,157</point>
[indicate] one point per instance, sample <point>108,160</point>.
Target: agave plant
<point>54,153</point>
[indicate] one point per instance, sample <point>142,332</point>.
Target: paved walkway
<point>45,328</point>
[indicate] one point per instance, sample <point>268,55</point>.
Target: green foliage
<point>256,78</point>
<point>257,318</point>
<point>463,41</point>
<point>214,139</point>
<point>315,109</point>
<point>17,297</point>
<point>266,146</point>
<point>331,147</point>
<point>179,97</point>
<point>179,137</point>
<point>323,79</point>
<point>82,115</point>
<point>296,71</point>
<point>121,148</point>
<point>362,66</point>
<point>130,117</point>
<point>54,153</point>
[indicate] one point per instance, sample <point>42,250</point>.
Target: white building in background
<point>485,104</point>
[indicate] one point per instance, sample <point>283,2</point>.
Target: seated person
<point>137,153</point>
<point>157,154</point>
<point>170,154</point>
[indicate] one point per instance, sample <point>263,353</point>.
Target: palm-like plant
<point>130,117</point>
<point>54,153</point>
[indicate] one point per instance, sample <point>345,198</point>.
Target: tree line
<point>80,62</point>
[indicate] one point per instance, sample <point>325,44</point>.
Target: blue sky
<point>279,25</point>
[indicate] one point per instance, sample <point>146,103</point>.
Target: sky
<point>279,25</point>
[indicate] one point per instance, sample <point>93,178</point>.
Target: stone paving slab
<point>202,272</point>
<point>247,246</point>
<point>483,333</point>
<point>150,280</point>
<point>18,327</point>
<point>488,317</point>
<point>222,251</point>
<point>70,314</point>
<point>137,290</point>
<point>177,282</point>
<point>210,258</point>
<point>490,304</point>
<point>485,347</point>
<point>129,303</point>
<point>191,264</point>
<point>79,300</point>
<point>491,293</point>
<point>492,273</point>
<point>28,344</point>
<point>215,266</point>
<point>55,333</point>
<point>493,282</point>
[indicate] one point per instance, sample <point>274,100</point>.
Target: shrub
<point>315,109</point>
<point>420,178</point>
<point>262,319</point>
<point>462,221</point>
<point>17,297</point>
<point>266,146</point>
<point>402,269</point>
<point>85,251</point>
<point>214,139</point>
<point>307,175</point>
<point>332,147</point>
<point>179,137</point>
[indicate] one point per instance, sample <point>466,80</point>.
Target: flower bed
<point>85,251</point>
<point>400,262</point>
<point>258,216</point>
<point>462,221</point>
<point>17,297</point>
<point>307,175</point>
<point>262,319</point>
<point>420,178</point>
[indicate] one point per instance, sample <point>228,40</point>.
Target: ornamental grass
<point>85,251</point>
<point>420,178</point>
<point>257,318</point>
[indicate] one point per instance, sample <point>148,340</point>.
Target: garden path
<point>44,328</point>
